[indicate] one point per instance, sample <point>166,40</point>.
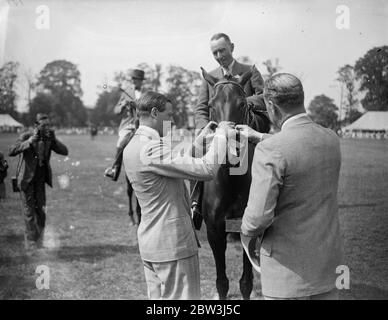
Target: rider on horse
<point>222,49</point>
<point>127,109</point>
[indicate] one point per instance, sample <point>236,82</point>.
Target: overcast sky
<point>103,36</point>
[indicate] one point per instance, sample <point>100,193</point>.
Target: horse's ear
<point>208,77</point>
<point>245,77</point>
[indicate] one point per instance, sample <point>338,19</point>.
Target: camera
<point>44,132</point>
<point>15,186</point>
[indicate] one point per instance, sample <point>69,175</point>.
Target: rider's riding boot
<point>114,171</point>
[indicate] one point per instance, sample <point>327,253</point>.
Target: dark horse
<point>226,196</point>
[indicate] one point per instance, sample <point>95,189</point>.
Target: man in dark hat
<point>126,108</point>
<point>35,147</point>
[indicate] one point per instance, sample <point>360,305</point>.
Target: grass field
<point>92,251</point>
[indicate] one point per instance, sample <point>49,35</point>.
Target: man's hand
<point>51,134</point>
<point>209,128</point>
<point>252,135</point>
<point>225,126</point>
<point>250,246</point>
<point>34,136</point>
<point>204,138</point>
<point>207,132</point>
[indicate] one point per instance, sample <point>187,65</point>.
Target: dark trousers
<point>3,175</point>
<point>2,190</point>
<point>34,201</point>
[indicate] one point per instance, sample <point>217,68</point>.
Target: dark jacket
<point>253,88</point>
<point>30,156</point>
<point>3,168</point>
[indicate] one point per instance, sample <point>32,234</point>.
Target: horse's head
<point>228,101</point>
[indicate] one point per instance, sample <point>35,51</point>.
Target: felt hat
<point>137,74</point>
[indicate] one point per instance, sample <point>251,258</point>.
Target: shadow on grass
<point>87,253</point>
<point>10,287</point>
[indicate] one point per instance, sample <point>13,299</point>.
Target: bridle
<point>246,116</point>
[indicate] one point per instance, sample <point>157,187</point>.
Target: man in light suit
<point>166,236</point>
<point>222,49</point>
<point>292,206</point>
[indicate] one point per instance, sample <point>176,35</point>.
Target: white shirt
<point>229,69</point>
<point>137,94</point>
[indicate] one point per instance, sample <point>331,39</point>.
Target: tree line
<point>368,78</point>
<point>56,90</point>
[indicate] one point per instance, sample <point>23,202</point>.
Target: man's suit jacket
<point>30,156</point>
<point>3,168</point>
<point>157,176</point>
<point>293,201</point>
<point>253,87</point>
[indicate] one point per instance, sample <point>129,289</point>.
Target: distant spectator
<point>3,175</point>
<point>93,131</point>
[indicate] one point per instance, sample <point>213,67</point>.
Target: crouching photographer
<point>35,148</point>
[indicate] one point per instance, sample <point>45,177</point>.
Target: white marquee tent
<point>370,124</point>
<point>9,124</point>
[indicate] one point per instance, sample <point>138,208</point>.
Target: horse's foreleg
<point>217,240</point>
<point>130,209</point>
<point>138,211</point>
<point>246,281</point>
